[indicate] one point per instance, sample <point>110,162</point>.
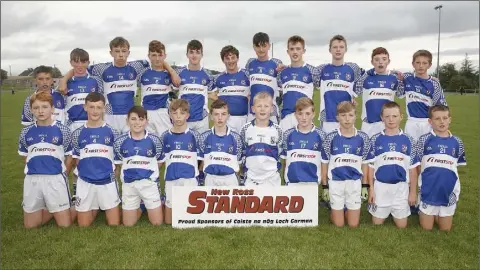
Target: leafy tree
<point>4,75</point>
<point>26,72</point>
<point>447,71</point>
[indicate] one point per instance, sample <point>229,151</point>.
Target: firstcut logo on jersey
<point>234,90</point>
<point>78,89</point>
<point>421,94</point>
<point>345,155</point>
<point>392,157</point>
<point>377,90</point>
<point>297,82</point>
<point>180,152</point>
<point>94,149</point>
<point>439,157</point>
<point>139,158</point>
<point>45,148</point>
<point>194,87</point>
<point>155,87</point>
<point>303,153</point>
<point>263,146</point>
<point>336,85</point>
<point>221,154</point>
<point>119,84</point>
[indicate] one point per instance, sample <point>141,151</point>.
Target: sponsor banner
<point>266,206</point>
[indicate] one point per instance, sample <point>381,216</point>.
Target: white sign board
<point>285,206</point>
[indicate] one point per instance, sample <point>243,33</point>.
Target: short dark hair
<point>296,39</point>
<point>261,38</point>
<point>380,50</point>
<point>156,46</point>
<point>228,50</point>
<point>339,38</point>
<point>94,97</point>
<point>218,104</point>
<point>194,45</point>
<point>119,42</point>
<point>79,55</point>
<point>422,53</point>
<point>43,69</point>
<point>438,108</point>
<point>139,110</point>
<point>390,105</point>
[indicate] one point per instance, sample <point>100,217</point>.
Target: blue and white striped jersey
<point>119,84</point>
<point>221,154</point>
<point>392,157</point>
<point>263,147</point>
<point>439,159</point>
<point>263,77</point>
<point>346,155</point>
<point>139,158</point>
<point>297,82</point>
<point>377,90</point>
<point>303,153</point>
<point>421,94</point>
<point>45,148</point>
<point>194,88</point>
<point>336,85</point>
<point>180,153</point>
<point>77,90</point>
<point>59,102</point>
<point>234,90</point>
<point>93,147</point>
<point>155,87</point>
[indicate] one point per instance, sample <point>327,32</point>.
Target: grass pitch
<point>325,246</point>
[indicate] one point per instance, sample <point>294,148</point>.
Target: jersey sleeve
<point>286,134</point>
<point>277,61</point>
<point>400,89</point>
<point>315,75</point>
<point>99,84</point>
<point>239,143</point>
<point>27,116</point>
<point>158,148</point>
<point>201,143</point>
<point>22,143</point>
<point>414,161</point>
<point>162,146</point>
<point>140,66</point>
<point>420,147</point>
<point>247,65</point>
<point>197,138</point>
<point>211,81</point>
<point>117,145</point>
<point>280,141</point>
<point>323,155</point>
<point>371,152</point>
<point>461,161</point>
<point>327,143</point>
<point>358,85</point>
<point>215,82</point>
<point>438,95</point>
<point>75,145</point>
<point>67,140</point>
<point>366,148</point>
<point>98,69</point>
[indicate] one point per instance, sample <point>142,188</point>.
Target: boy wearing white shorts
<point>221,149</point>
<point>46,146</point>
<point>263,142</point>
<point>138,153</point>
<point>344,172</point>
<point>302,147</point>
<point>439,153</point>
<point>94,156</point>
<point>180,153</point>
<point>392,172</point>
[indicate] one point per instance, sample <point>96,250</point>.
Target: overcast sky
<point>35,33</point>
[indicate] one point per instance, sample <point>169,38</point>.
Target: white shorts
<point>274,181</point>
<point>41,191</point>
<point>221,180</point>
<point>441,211</point>
<point>93,197</point>
<point>158,121</point>
<point>199,126</point>
<point>345,193</point>
<point>302,184</point>
<point>416,127</point>
<point>290,121</point>
<point>273,116</point>
<point>328,127</point>
<point>390,199</point>
<point>75,125</point>
<point>373,128</point>
<point>142,190</point>
<point>237,122</point>
<point>192,182</point>
<point>118,122</point>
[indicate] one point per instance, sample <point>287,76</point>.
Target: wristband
<point>325,186</point>
<point>365,185</point>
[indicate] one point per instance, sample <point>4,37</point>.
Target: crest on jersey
<point>167,81</point>
<point>315,146</point>
<point>429,148</point>
<point>348,76</point>
<point>55,139</point>
<point>107,139</point>
<point>204,81</point>
<point>230,149</point>
<point>243,82</point>
<point>59,104</point>
<point>428,92</point>
<point>260,69</point>
<point>359,149</point>
<point>190,146</point>
<point>404,148</point>
<point>453,151</point>
<point>130,76</point>
<point>271,71</point>
<point>149,152</point>
<point>294,77</point>
<point>392,86</point>
<point>93,89</point>
<point>305,78</point>
<point>382,85</point>
<point>337,76</point>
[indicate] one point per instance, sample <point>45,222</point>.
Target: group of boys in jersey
<point>91,127</point>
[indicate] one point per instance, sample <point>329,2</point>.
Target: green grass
<point>324,246</point>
